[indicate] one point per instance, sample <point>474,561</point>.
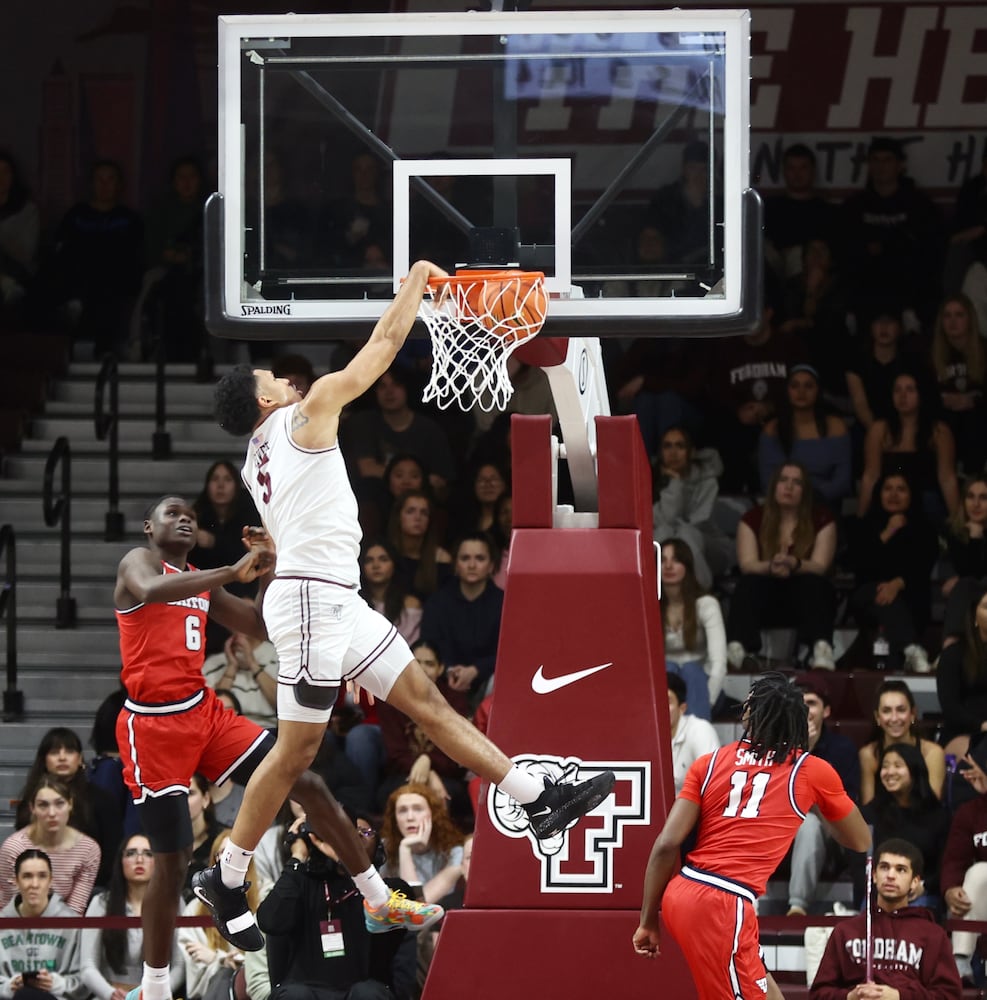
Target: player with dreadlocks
<point>748,799</point>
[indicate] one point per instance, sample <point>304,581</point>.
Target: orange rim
<point>469,277</point>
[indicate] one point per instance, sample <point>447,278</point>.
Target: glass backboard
<point>608,149</point>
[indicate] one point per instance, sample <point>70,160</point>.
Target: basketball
<point>514,309</point>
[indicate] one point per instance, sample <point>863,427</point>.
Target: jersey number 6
<point>193,633</point>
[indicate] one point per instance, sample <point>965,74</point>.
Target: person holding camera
<point>318,944</point>
<point>33,966</point>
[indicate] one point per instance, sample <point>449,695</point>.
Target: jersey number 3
<point>738,790</point>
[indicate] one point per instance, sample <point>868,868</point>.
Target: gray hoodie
<point>55,949</point>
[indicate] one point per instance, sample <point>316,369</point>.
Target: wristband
<point>257,673</point>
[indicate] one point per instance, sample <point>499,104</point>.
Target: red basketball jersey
<point>750,809</point>
<point>162,647</point>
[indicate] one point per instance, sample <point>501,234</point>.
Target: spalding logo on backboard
<point>581,858</point>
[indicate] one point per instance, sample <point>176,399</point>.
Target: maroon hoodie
<point>912,954</point>
<point>966,843</point>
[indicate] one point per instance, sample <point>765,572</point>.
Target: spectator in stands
<point>797,215</point>
<point>462,619</point>
<point>892,552</point>
<point>892,234</point>
<point>37,966</point>
<point>74,856</point>
<point>392,427</point>
<point>99,260</point>
<point>785,549</point>
<point>746,387</point>
<point>805,432</point>
<point>961,677</point>
<point>895,720</point>
<point>966,547</point>
<point>112,959</point>
<point>963,877</point>
<point>404,472</point>
<point>411,757</point>
<point>870,374</point>
<point>968,228</point>
<point>173,252</point>
<point>695,640</point>
<point>904,805</point>
<point>355,733</point>
<point>958,359</point>
<point>815,309</point>
<point>501,533</point>
<point>912,442</point>
<point>362,217</point>
<point>106,768</point>
<point>210,960</point>
<point>422,563</point>
<point>691,736</point>
<point>247,668</point>
<point>381,588</point>
<point>301,963</point>
<point>423,845</point>
<point>273,851</point>
<point>94,812</point>
<point>662,381</point>
<point>680,211</point>
<point>222,509</point>
<point>686,490</point>
<point>909,952</point>
<point>20,240</point>
<point>205,829</point>
<point>813,844</point>
<point>474,511</point>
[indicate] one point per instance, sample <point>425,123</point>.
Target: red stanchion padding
<point>531,474</point>
<point>562,954</point>
<point>580,688</point>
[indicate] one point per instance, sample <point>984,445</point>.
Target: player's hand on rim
<point>647,942</point>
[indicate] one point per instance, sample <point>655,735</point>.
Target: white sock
<point>233,865</point>
<point>156,983</point>
<point>373,887</point>
<point>521,785</point>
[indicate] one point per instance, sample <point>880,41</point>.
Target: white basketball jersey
<point>305,501</point>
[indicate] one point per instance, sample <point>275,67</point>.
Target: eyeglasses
<point>137,852</point>
<point>366,833</point>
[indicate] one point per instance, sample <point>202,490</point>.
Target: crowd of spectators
<point>824,471</point>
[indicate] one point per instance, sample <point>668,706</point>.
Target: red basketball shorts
<point>162,746</point>
<point>717,932</point>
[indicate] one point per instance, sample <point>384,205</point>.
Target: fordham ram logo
<point>581,858</point>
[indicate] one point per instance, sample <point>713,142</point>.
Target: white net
<point>475,322</point>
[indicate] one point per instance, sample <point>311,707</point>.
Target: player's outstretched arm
<point>852,832</point>
<point>332,392</point>
<point>662,865</point>
<point>140,580</point>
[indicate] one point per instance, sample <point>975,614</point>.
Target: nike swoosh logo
<point>541,684</point>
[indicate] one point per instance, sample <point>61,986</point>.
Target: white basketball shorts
<point>326,635</point>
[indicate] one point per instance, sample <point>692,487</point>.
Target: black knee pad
<point>166,822</point>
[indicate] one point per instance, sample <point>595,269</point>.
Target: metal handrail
<point>13,699</point>
<point>107,424</point>
<point>160,439</point>
<point>59,510</point>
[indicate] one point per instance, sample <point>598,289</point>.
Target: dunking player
<point>749,798</point>
<point>324,633</point>
<point>172,724</point>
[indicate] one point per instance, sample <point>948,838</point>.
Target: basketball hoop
<point>476,320</point>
